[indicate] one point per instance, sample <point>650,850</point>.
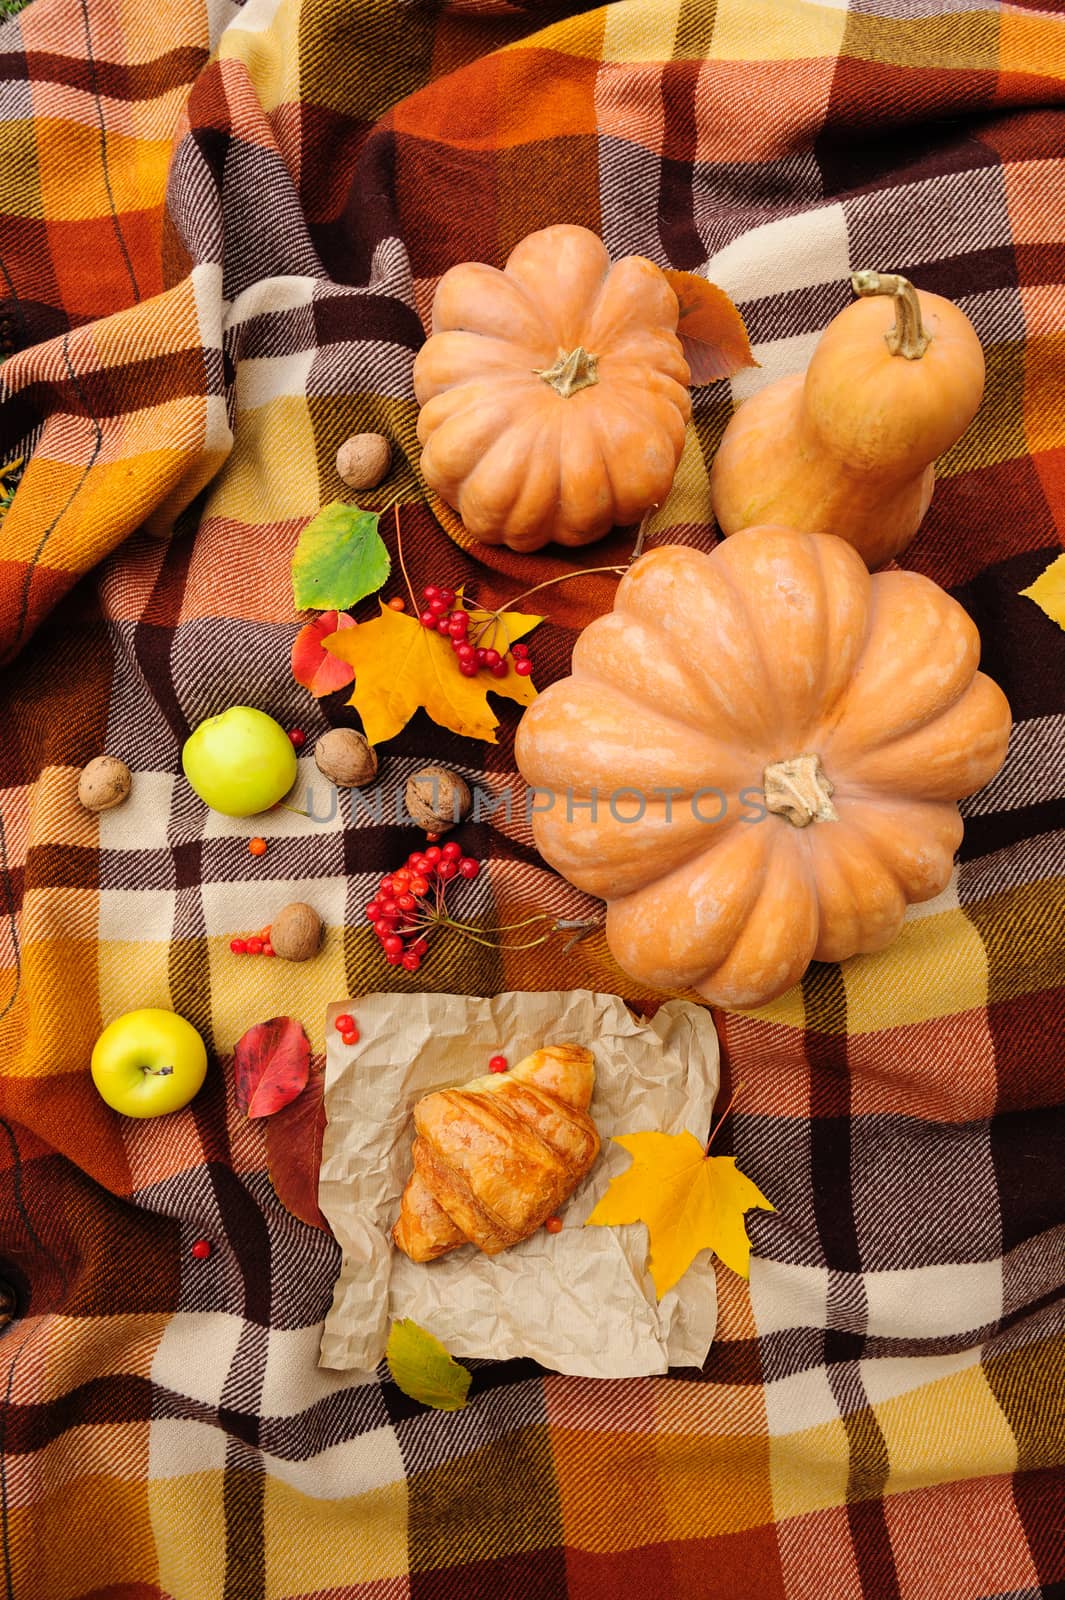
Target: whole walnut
<point>346,758</point>
<point>104,783</point>
<point>364,459</point>
<point>437,799</point>
<point>296,931</point>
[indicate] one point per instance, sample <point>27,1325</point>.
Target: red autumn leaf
<point>271,1063</point>
<point>711,329</point>
<point>294,1150</point>
<point>314,668</point>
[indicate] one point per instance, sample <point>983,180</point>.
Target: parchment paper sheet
<point>579,1301</point>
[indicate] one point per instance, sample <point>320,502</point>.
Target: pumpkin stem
<point>578,370</point>
<point>799,789</point>
<point>906,337</point>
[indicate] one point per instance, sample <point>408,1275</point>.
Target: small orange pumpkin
<point>554,394</point>
<point>848,447</point>
<point>772,742</point>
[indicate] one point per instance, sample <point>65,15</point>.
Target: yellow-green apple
<point>148,1062</point>
<point>240,762</point>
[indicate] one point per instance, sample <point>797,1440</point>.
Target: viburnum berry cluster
<point>409,901</point>
<point>446,613</point>
<point>258,945</point>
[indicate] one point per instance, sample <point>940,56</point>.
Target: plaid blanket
<point>220,229</point>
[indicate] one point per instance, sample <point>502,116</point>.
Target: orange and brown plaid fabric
<point>220,229</point>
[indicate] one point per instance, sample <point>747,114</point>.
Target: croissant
<point>494,1159</point>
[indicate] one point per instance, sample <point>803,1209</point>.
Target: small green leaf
<point>422,1368</point>
<point>340,559</point>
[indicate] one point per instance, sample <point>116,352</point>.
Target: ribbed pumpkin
<point>790,735</point>
<point>554,393</point>
<point>848,446</point>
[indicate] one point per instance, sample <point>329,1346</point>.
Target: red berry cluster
<point>454,624</point>
<point>345,1026</point>
<point>259,945</point>
<point>398,908</point>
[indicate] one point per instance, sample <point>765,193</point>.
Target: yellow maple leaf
<point>690,1202</point>
<point>1048,591</point>
<point>400,666</point>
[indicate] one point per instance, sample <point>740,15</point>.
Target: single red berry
<point>239,947</point>
<point>397,603</point>
<point>518,650</point>
<point>432,838</point>
<point>373,911</point>
<point>407,902</point>
<point>420,947</point>
<point>268,949</point>
<point>498,1064</point>
<point>401,880</point>
<point>482,655</point>
<point>419,886</point>
<point>448,597</point>
<point>447,870</point>
<point>410,961</point>
<point>469,868</point>
<point>442,627</point>
<point>491,658</point>
<point>458,622</point>
<point>438,606</point>
<point>264,934</point>
<point>432,855</point>
<point>452,850</point>
<point>394,942</point>
<point>256,847</point>
<point>553,1225</point>
<point>393,958</point>
<point>465,652</point>
<point>500,669</point>
<point>255,947</point>
<point>431,592</point>
<point>468,669</point>
<point>344,1023</point>
<point>201,1249</point>
<point>523,666</point>
<point>350,1036</point>
<point>382,930</point>
<point>427,619</point>
<point>298,737</point>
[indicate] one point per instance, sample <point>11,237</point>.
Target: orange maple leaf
<point>711,330</point>
<point>401,666</point>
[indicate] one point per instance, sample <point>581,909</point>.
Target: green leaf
<point>422,1368</point>
<point>340,559</point>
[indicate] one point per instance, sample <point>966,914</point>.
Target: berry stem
<point>563,577</point>
<point>641,534</point>
<point>403,565</point>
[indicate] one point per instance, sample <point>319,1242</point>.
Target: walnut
<point>296,931</point>
<point>104,783</point>
<point>364,459</point>
<point>346,758</point>
<point>437,799</point>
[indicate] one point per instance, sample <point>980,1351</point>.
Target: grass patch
<point>9,7</point>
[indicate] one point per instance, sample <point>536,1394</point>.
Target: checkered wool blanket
<point>220,229</point>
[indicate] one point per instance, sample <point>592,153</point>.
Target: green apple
<point>240,762</point>
<point>148,1062</point>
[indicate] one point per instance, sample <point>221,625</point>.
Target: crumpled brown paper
<point>580,1301</point>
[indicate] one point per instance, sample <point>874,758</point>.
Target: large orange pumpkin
<point>554,394</point>
<point>849,446</point>
<point>790,736</point>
